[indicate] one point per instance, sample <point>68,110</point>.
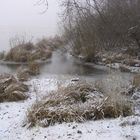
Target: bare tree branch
<point>44,3</point>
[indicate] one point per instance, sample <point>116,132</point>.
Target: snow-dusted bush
<point>76,103</point>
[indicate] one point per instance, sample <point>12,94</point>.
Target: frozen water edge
<point>12,117</point>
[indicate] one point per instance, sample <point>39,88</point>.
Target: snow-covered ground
<point>13,118</point>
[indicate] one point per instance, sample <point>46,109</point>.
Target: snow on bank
<point>127,68</point>
<point>12,121</point>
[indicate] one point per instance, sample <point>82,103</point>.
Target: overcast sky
<point>24,13</point>
<point>23,16</point>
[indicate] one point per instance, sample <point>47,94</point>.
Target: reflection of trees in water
<point>13,67</point>
<point>60,64</point>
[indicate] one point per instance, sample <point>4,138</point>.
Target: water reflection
<point>61,64</point>
<point>8,68</point>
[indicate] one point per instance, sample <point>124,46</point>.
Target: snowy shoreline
<point>13,118</point>
<point>2,62</point>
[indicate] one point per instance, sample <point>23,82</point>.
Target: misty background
<point>24,18</point>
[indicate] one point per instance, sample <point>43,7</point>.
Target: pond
<point>65,66</point>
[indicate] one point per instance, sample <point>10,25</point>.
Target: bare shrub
<point>132,51</point>
<point>96,25</point>
<point>75,103</point>
<point>81,39</point>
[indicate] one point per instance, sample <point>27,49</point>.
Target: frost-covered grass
<point>77,102</point>
<point>13,124</point>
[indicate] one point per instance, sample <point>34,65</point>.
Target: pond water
<point>64,66</point>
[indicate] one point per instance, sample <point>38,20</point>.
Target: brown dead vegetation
<point>76,103</point>
<point>27,52</point>
<point>25,72</point>
<point>34,68</point>
<point>11,89</point>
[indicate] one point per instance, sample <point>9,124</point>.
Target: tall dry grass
<point>20,53</point>
<point>25,51</point>
<point>77,103</point>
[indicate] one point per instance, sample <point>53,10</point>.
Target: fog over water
<point>24,18</point>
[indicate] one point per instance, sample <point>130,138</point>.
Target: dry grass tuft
<point>136,80</point>
<point>75,103</point>
<point>20,53</point>
<point>116,106</point>
<point>27,52</point>
<point>11,89</point>
<point>13,96</point>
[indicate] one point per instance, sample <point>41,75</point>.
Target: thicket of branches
<point>91,25</point>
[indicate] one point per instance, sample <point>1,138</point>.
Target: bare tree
<point>94,24</point>
<point>42,2</point>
